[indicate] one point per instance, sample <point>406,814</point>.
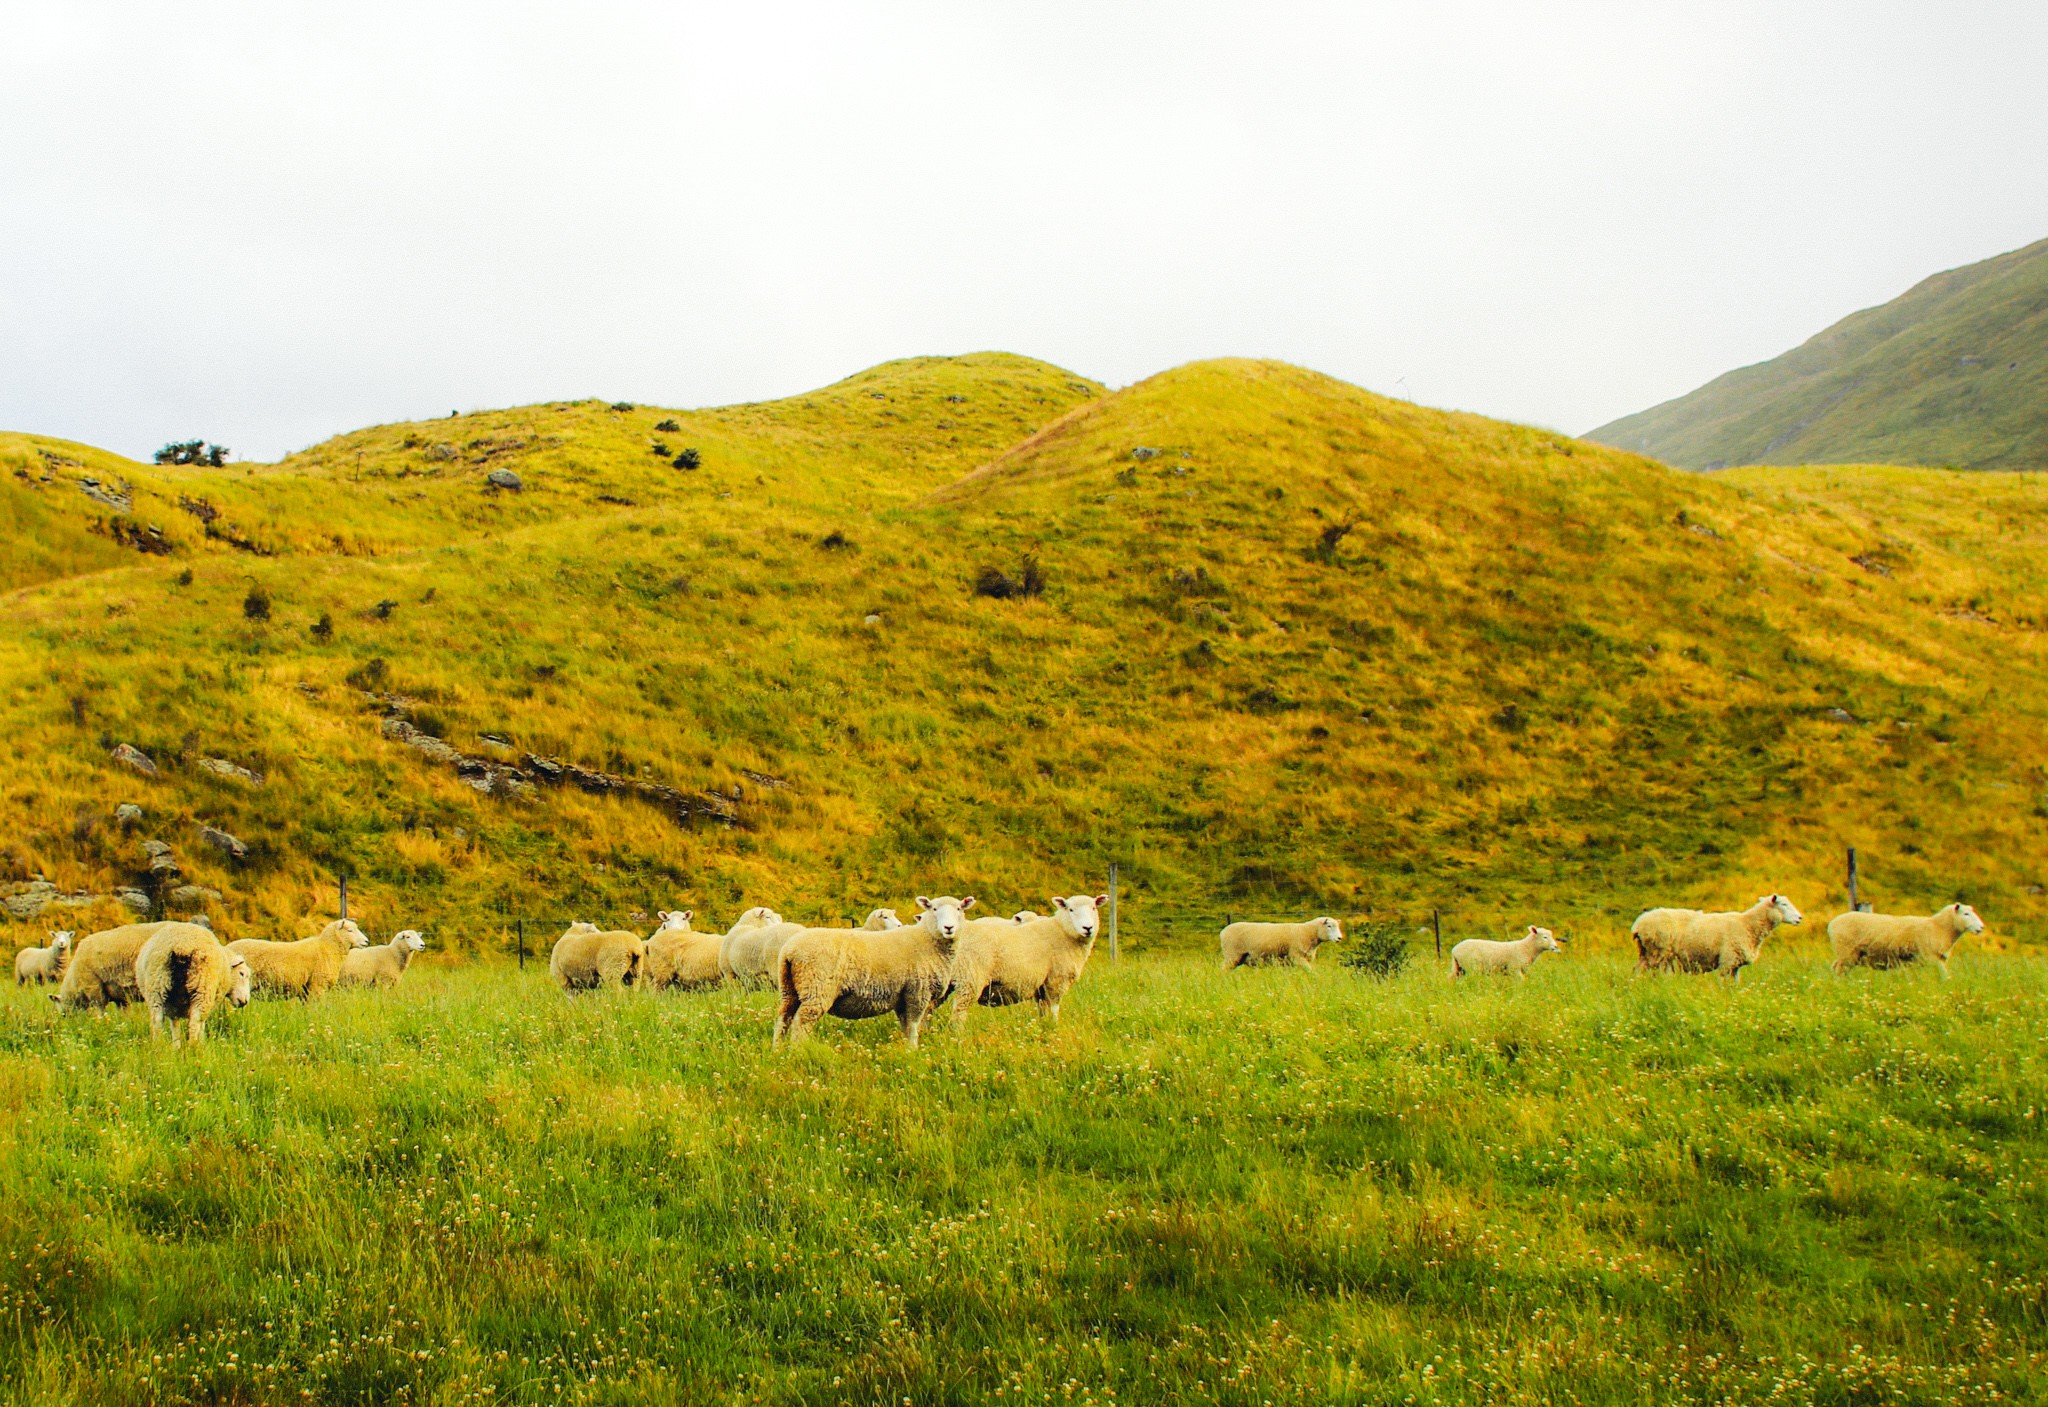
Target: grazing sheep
<point>1886,940</point>
<point>305,968</point>
<point>1485,955</point>
<point>681,959</point>
<point>101,972</point>
<point>183,973</point>
<point>1278,942</point>
<point>384,964</point>
<point>857,973</point>
<point>1001,961</point>
<point>754,956</point>
<point>1686,940</point>
<point>587,956</point>
<point>40,965</point>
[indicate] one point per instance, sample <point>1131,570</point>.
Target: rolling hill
<point>1952,373</point>
<point>1297,647</point>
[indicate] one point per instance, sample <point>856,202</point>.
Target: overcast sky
<point>265,223</point>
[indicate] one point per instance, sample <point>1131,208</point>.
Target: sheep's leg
<point>785,1013</point>
<point>196,1024</point>
<point>964,1001</point>
<point>1297,958</point>
<point>156,1024</point>
<point>1941,966</point>
<point>807,1015</point>
<point>910,1017</point>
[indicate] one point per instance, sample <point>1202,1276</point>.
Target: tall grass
<point>1256,1187</point>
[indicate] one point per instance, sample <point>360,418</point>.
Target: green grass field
<point>1274,1186</point>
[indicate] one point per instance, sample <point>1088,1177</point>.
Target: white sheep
<point>1023,916</point>
<point>1887,940</point>
<point>1687,940</point>
<point>1278,942</point>
<point>1477,955</point>
<point>860,972</point>
<point>680,958</point>
<point>587,956</point>
<point>40,965</point>
<point>384,964</point>
<point>741,957</point>
<point>183,973</point>
<point>305,968</point>
<point>1001,961</point>
<point>101,972</point>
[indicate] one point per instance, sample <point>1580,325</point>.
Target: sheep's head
<point>943,916</point>
<point>882,920</point>
<point>1546,941</point>
<point>1967,920</point>
<point>238,980</point>
<point>1328,930</point>
<point>1782,910</point>
<point>60,939</point>
<point>760,916</point>
<point>676,921</point>
<point>581,926</point>
<point>1079,915</point>
<point>346,927</point>
<point>1025,915</point>
<point>410,940</point>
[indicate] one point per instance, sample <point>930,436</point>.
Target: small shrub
<point>668,427</point>
<point>385,608</point>
<point>658,449</point>
<point>689,459</point>
<point>1376,947</point>
<point>193,452</point>
<point>323,629</point>
<point>999,585</point>
<point>256,605</point>
<point>184,578</point>
<point>622,406</point>
<point>1328,539</point>
<point>835,541</point>
<point>371,676</point>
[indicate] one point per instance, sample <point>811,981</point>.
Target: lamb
<point>857,973</point>
<point>586,957</point>
<point>682,959</point>
<point>1686,940</point>
<point>384,964</point>
<point>1886,940</point>
<point>101,972</point>
<point>1485,955</point>
<point>184,973</point>
<point>1278,942</point>
<point>303,969</point>
<point>1001,961</point>
<point>40,965</point>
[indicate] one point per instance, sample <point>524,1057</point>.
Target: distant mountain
<point>1953,372</point>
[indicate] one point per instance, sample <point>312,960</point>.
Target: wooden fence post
<point>1436,926</point>
<point>344,896</point>
<point>1853,905</point>
<point>522,942</point>
<point>1114,956</point>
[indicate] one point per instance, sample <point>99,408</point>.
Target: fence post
<point>1436,926</point>
<point>1114,956</point>
<point>1852,880</point>
<point>521,923</point>
<point>344,897</point>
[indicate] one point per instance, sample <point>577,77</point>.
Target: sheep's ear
<point>687,914</point>
<point>923,903</point>
<point>967,903</point>
<point>1058,902</point>
<point>1101,900</point>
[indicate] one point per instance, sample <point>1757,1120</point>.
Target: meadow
<point>1271,1186</point>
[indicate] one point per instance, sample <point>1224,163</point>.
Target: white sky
<point>264,223</point>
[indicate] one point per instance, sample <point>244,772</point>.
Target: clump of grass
<point>999,585</point>
<point>1376,947</point>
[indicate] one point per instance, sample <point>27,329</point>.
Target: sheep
<point>1887,940</point>
<point>101,972</point>
<point>305,968</point>
<point>40,965</point>
<point>682,959</point>
<point>1022,916</point>
<point>1485,955</point>
<point>587,956</point>
<point>1278,942</point>
<point>384,964</point>
<point>754,956</point>
<point>183,973</point>
<point>1686,940</point>
<point>1001,961</point>
<point>740,953</point>
<point>857,973</point>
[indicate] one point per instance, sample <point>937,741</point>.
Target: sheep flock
<point>950,952</point>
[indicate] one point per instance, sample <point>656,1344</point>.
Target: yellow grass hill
<point>1270,642</point>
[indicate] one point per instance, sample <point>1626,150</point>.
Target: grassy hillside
<point>1953,372</point>
<point>1299,647</point>
<point>1271,1187</point>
